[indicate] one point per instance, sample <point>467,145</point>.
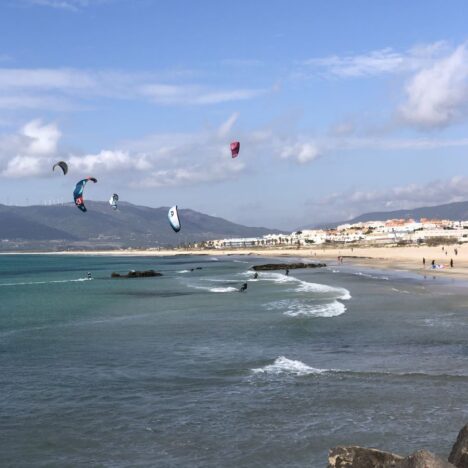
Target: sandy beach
<point>396,258</point>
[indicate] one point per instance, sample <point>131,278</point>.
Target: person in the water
<point>89,275</point>
<point>286,272</point>
<point>256,275</point>
<point>243,288</point>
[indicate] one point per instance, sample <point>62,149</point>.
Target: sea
<point>183,370</point>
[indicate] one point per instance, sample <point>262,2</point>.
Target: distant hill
<point>63,226</point>
<point>452,211</point>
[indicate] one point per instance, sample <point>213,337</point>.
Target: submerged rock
<point>459,454</point>
<point>287,266</point>
<point>360,457</point>
<point>424,459</point>
<point>137,274</point>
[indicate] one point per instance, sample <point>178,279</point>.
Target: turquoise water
<point>182,370</point>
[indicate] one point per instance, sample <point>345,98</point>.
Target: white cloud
<point>31,151</point>
<point>71,5</point>
<point>33,88</point>
<point>438,95</point>
<point>109,161</point>
<point>42,139</point>
<point>24,166</point>
<point>302,152</point>
<point>226,127</point>
<point>376,62</point>
<point>395,198</point>
<point>196,95</point>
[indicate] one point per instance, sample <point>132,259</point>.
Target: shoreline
<point>408,258</point>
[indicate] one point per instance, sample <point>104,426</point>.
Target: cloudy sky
<point>341,107</point>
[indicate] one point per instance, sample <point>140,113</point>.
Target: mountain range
<point>58,227</point>
<point>452,211</point>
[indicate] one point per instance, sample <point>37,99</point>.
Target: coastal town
<point>370,233</point>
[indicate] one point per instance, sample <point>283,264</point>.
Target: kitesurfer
<point>286,272</point>
<point>255,275</point>
<point>89,275</point>
<point>243,288</point>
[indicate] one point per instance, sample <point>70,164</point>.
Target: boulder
<point>287,266</point>
<point>459,454</point>
<point>424,459</point>
<point>360,457</point>
<point>137,274</point>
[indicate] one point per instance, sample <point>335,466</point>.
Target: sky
<point>340,107</point>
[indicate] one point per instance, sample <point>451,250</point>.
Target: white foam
<point>305,286</point>
<point>332,309</point>
<point>46,282</point>
<point>283,365</point>
<point>368,275</point>
<point>300,308</point>
<point>221,290</point>
<point>183,271</point>
<point>214,290</point>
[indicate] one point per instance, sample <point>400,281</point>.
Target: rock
<point>459,454</point>
<point>424,459</point>
<point>287,266</point>
<point>360,457</point>
<point>137,274</point>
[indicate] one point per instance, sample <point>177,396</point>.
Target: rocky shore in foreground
<point>361,457</point>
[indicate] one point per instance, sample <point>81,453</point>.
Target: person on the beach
<point>243,288</point>
<point>451,263</point>
<point>433,263</point>
<point>424,262</point>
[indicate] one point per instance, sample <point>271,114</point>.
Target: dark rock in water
<point>459,454</point>
<point>424,459</point>
<point>137,274</point>
<point>360,457</point>
<point>287,266</point>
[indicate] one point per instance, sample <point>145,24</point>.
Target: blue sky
<point>340,107</point>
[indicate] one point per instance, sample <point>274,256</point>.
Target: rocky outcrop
<point>360,457</point>
<point>459,454</point>
<point>137,274</point>
<point>287,266</point>
<point>424,459</point>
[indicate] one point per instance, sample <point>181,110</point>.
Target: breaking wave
<point>305,286</point>
<point>27,283</point>
<point>283,365</point>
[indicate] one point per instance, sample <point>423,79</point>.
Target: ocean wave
<point>303,286</point>
<point>213,289</point>
<point>368,275</point>
<point>332,309</point>
<point>27,283</point>
<point>283,365</point>
<point>299,308</point>
<point>221,290</point>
